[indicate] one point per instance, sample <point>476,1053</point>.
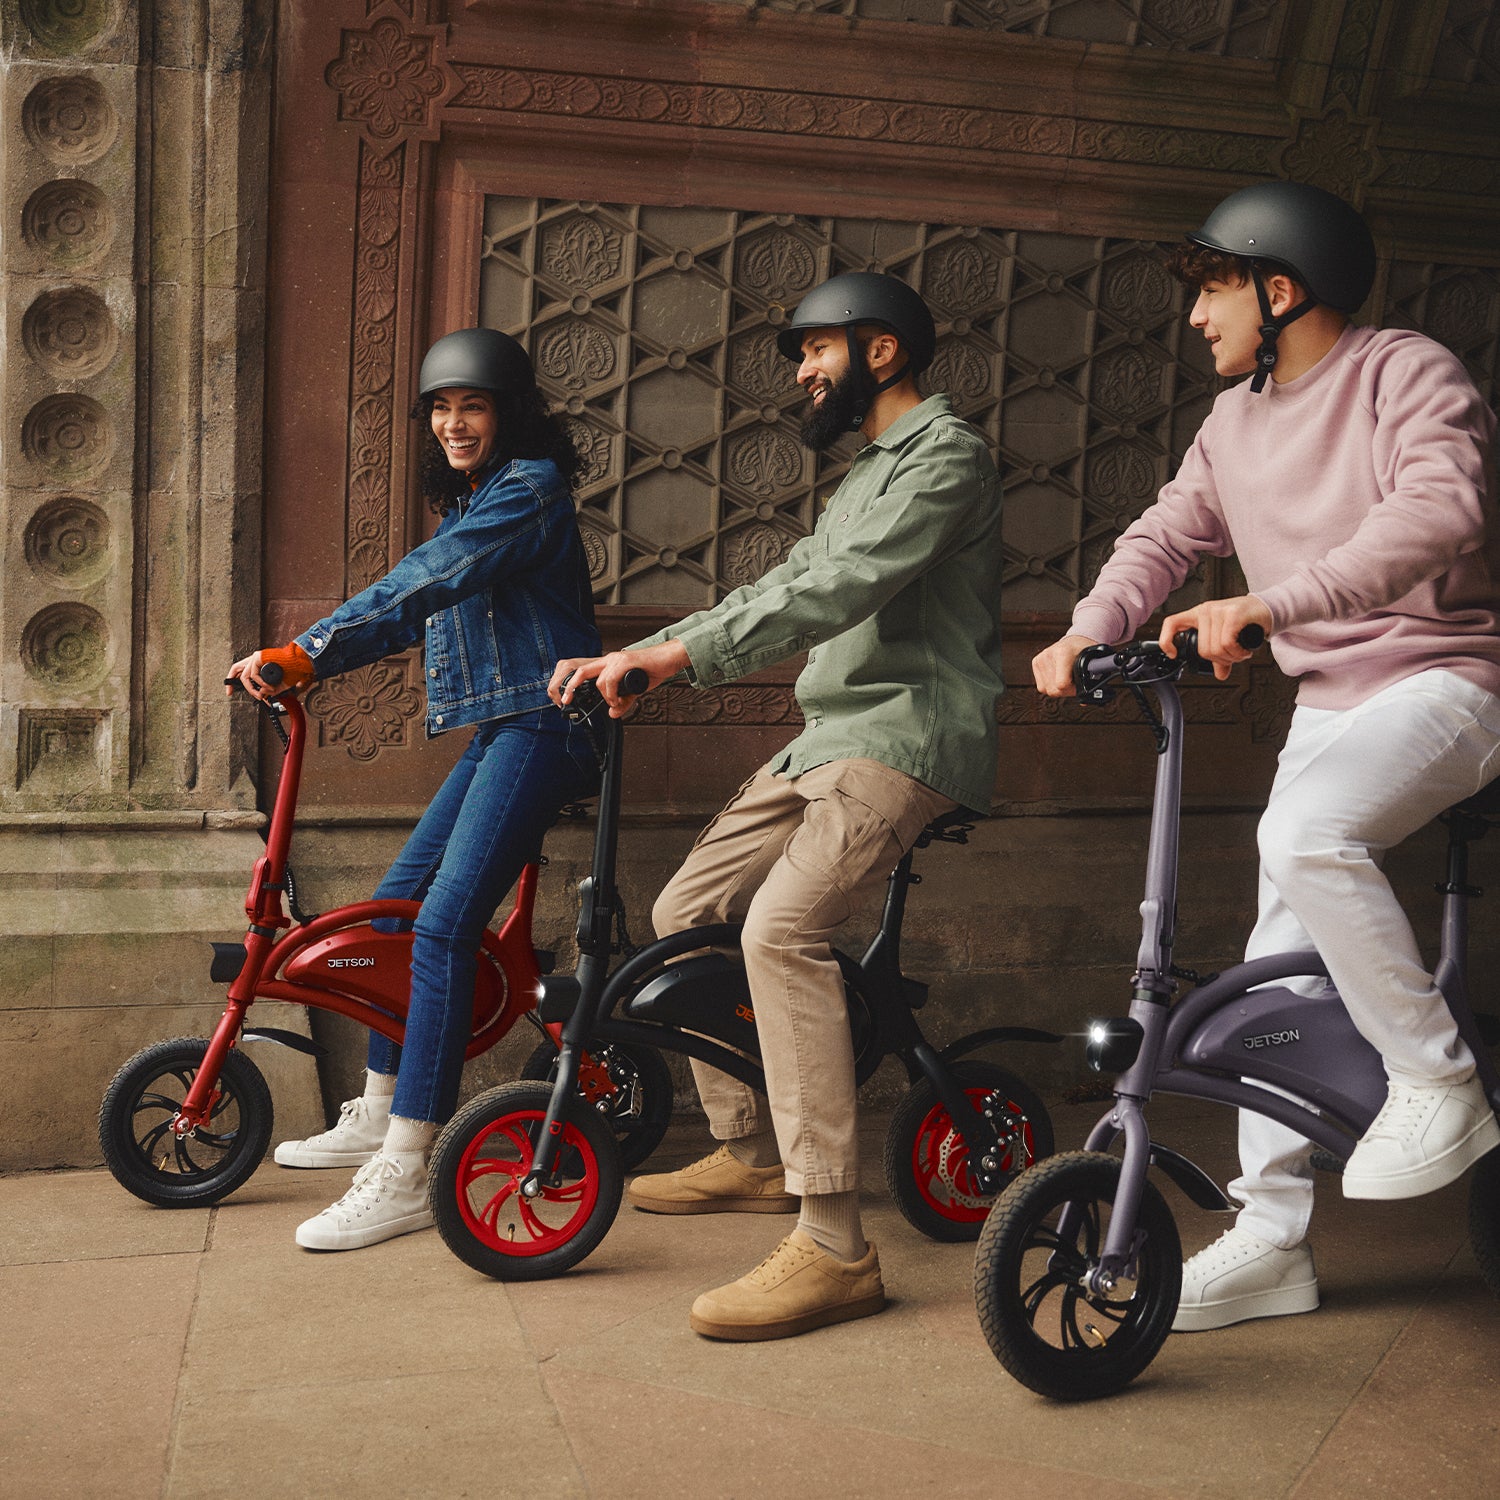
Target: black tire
<point>479,1160</point>
<point>636,1102</point>
<point>927,1161</point>
<point>207,1164</point>
<point>1052,1333</point>
<point>1484,1218</point>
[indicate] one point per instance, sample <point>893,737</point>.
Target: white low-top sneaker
<point>350,1142</point>
<point>1423,1138</point>
<point>1242,1276</point>
<point>389,1197</point>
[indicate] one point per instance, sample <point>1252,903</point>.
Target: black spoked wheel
<point>481,1159</point>
<point>1035,1253</point>
<point>146,1155</point>
<point>1484,1218</point>
<point>629,1085</point>
<point>927,1163</point>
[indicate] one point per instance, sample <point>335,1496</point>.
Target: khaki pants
<point>792,859</point>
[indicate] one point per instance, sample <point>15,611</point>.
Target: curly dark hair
<point>1193,264</point>
<point>526,430</point>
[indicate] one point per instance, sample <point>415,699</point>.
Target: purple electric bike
<point>1078,1269</point>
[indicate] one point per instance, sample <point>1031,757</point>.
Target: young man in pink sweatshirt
<point>1356,487</point>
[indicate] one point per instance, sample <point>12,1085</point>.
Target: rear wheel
<point>629,1085</point>
<point>927,1165</point>
<point>485,1153</point>
<point>149,1158</point>
<point>1031,1270</point>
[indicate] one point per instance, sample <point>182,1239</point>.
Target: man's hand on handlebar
<point>1052,669</point>
<point>1219,623</point>
<point>292,670</point>
<point>606,672</point>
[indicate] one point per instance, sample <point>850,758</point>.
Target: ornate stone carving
<point>595,550</point>
<point>386,80</point>
<point>1154,145</point>
<point>70,120</point>
<point>66,27</point>
<point>752,551</point>
<point>1136,286</point>
<point>69,541</point>
<point>1126,382</point>
<point>776,265</point>
<point>1268,703</point>
<point>66,646</point>
<point>764,462</point>
<point>733,706</point>
<point>580,252</point>
<point>69,332</point>
<point>70,436</point>
<point>575,354</point>
<point>63,750</point>
<point>961,370</point>
<point>376,269</point>
<point>962,276</point>
<point>593,450</point>
<point>1335,151</point>
<point>366,710</point>
<point>772,111</point>
<point>756,366</point>
<point>68,221</point>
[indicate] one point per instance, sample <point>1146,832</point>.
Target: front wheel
<point>149,1159</point>
<point>629,1085</point>
<point>926,1160</point>
<point>481,1159</point>
<point>1031,1270</point>
<point>1484,1218</point>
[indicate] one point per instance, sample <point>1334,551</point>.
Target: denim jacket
<point>502,590</point>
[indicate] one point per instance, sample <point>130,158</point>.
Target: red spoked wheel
<point>481,1160</point>
<point>927,1166</point>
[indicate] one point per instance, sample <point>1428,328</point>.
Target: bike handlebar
<point>1145,661</point>
<point>587,697</point>
<point>270,674</point>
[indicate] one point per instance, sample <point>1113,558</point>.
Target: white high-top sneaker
<point>1242,1276</point>
<point>350,1142</point>
<point>388,1198</point>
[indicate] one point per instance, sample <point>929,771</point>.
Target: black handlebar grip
<point>1252,637</point>
<point>271,674</point>
<point>634,683</point>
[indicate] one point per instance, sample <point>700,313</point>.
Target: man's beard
<point>846,398</point>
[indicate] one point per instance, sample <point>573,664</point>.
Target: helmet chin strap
<point>856,362</point>
<point>1270,328</point>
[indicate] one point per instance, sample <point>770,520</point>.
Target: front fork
<point>1121,1246</point>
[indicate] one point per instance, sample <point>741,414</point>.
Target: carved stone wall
<point>132,267</point>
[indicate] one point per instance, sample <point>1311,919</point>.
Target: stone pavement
<point>195,1354</point>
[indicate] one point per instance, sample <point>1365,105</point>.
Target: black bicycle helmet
<point>1315,234</point>
<point>481,359</point>
<point>865,297</point>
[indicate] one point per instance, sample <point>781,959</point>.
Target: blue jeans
<point>480,830</point>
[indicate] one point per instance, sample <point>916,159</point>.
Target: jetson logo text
<point>1272,1039</point>
<point>351,963</point>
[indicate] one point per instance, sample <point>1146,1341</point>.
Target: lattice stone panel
<point>1226,28</point>
<point>1468,49</point>
<point>654,329</point>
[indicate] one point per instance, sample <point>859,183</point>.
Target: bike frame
<point>593,996</point>
<point>1331,1104</point>
<point>336,962</point>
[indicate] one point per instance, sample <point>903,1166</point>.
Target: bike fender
<point>977,1039</point>
<point>1199,1187</point>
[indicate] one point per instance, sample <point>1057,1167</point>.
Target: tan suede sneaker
<point>797,1287</point>
<point>719,1184</point>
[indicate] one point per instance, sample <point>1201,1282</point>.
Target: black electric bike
<point>526,1179</point>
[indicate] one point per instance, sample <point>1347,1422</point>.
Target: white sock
<point>379,1085</point>
<point>832,1222</point>
<point>402,1137</point>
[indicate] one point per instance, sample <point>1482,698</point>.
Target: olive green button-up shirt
<point>897,595</point>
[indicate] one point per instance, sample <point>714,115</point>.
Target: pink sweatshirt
<point>1359,499</point>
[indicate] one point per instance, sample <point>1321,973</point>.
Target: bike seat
<point>948,828</point>
<point>1485,803</point>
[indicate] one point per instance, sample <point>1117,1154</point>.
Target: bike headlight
<point>1113,1045</point>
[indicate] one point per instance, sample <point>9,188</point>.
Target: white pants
<point>1350,784</point>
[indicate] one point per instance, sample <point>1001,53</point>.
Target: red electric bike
<point>185,1122</point>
